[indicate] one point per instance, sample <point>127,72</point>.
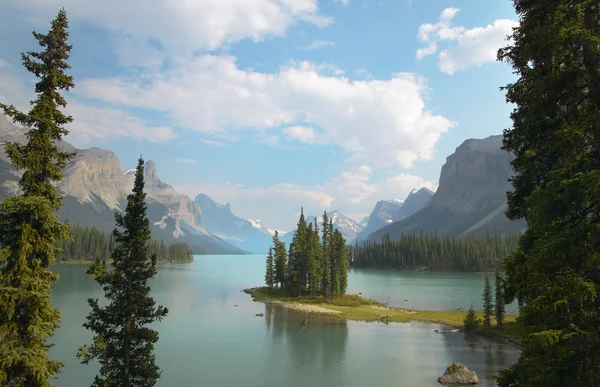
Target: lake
<point>206,340</point>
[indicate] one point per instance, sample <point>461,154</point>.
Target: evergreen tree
<point>280,257</point>
<point>488,305</point>
<point>554,274</point>
<point>270,271</point>
<point>298,258</point>
<point>334,279</point>
<point>29,226</point>
<point>122,341</point>
<point>314,260</point>
<point>471,321</point>
<point>499,299</point>
<point>326,261</point>
<point>341,263</point>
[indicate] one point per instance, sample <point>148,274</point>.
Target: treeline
<point>312,265</point>
<point>416,250</point>
<point>87,244</point>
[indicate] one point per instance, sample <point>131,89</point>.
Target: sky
<point>271,105</point>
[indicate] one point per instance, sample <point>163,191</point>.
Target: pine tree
<point>326,261</point>
<point>554,274</point>
<point>298,258</point>
<point>471,321</point>
<point>499,299</point>
<point>122,341</point>
<point>280,257</point>
<point>29,226</point>
<point>270,271</point>
<point>341,262</point>
<point>488,306</point>
<point>334,279</point>
<point>314,260</point>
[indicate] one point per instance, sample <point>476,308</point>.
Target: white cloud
<point>380,122</point>
<point>185,160</point>
<point>91,124</point>
<point>319,44</point>
<point>343,2</point>
<point>363,73</point>
<point>181,26</point>
<point>470,48</point>
<point>351,192</point>
<point>301,133</point>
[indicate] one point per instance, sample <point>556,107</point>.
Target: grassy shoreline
<point>354,307</point>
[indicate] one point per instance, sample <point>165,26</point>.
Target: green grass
<point>354,307</point>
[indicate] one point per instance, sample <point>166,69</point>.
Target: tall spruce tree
<point>280,258</point>
<point>314,260</point>
<point>122,341</point>
<point>555,137</point>
<point>298,258</point>
<point>499,308</point>
<point>342,264</point>
<point>29,226</point>
<point>270,270</point>
<point>488,305</point>
<point>334,279</point>
<point>326,261</point>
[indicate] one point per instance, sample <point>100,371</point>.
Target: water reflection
<point>317,345</point>
<point>496,354</point>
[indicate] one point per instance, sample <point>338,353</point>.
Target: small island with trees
<point>312,276</point>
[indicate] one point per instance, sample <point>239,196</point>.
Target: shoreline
<point>356,308</point>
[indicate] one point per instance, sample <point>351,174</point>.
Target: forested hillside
<point>90,243</point>
<point>424,250</point>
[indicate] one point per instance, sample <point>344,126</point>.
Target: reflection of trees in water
<point>317,345</point>
<point>484,356</point>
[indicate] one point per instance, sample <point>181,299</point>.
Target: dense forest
<point>312,266</point>
<point>89,243</point>
<point>415,250</point>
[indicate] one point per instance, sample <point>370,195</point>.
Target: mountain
<point>94,187</point>
<point>471,197</point>
<point>381,216</point>
<point>413,203</point>
<point>363,223</point>
<point>248,234</point>
<point>348,227</point>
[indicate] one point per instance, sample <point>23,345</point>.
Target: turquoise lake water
<point>208,341</point>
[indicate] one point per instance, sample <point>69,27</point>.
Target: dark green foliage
<point>326,260</point>
<point>412,251</point>
<point>87,244</point>
<point>555,137</point>
<point>488,304</point>
<point>280,258</point>
<point>270,270</point>
<point>499,307</point>
<point>122,342</point>
<point>312,266</point>
<point>471,321</point>
<point>29,226</point>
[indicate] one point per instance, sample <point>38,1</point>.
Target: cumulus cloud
<point>379,122</point>
<point>465,47</point>
<point>301,133</point>
<point>352,192</point>
<point>181,26</point>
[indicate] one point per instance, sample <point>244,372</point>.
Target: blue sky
<point>276,104</point>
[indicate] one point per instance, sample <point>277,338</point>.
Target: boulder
<point>458,374</point>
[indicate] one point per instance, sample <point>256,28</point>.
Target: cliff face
<point>471,197</point>
<point>94,187</point>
